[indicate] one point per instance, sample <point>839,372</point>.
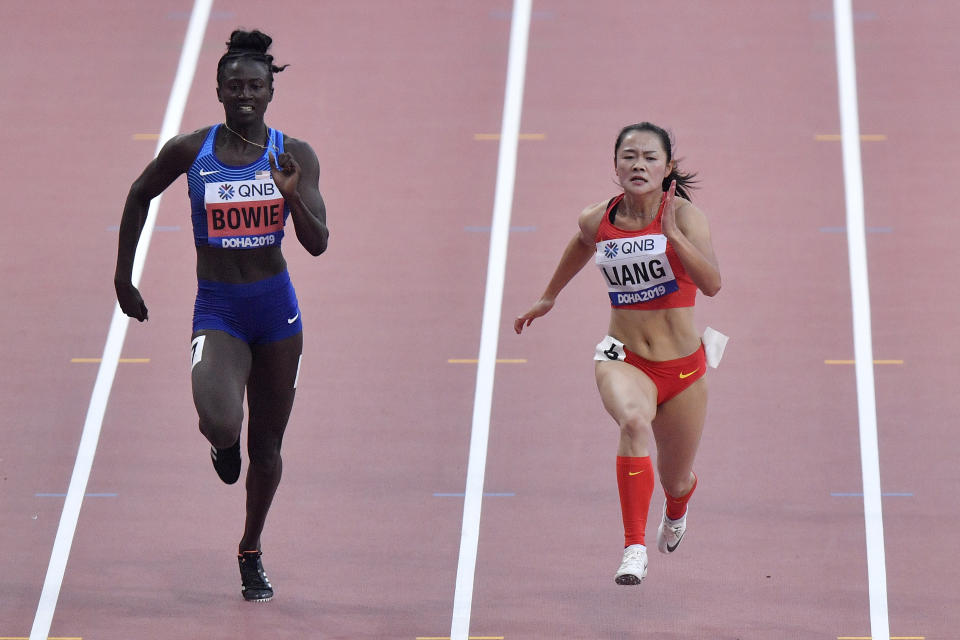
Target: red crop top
<point>640,268</point>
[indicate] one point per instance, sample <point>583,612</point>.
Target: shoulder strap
<point>612,207</point>
<point>207,147</point>
<point>276,140</point>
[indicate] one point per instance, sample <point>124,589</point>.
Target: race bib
<point>244,214</point>
<point>610,349</point>
<point>636,269</point>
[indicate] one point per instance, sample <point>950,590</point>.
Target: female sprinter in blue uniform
<point>654,252</point>
<point>244,180</point>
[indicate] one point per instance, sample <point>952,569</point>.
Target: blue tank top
<point>236,207</point>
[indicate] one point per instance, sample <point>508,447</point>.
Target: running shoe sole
<point>634,572</point>
<point>255,586</point>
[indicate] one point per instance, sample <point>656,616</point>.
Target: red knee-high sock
<point>677,507</point>
<point>635,481</point>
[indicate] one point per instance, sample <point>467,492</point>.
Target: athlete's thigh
<point>272,383</point>
<point>626,392</point>
<point>220,366</point>
<point>678,427</point>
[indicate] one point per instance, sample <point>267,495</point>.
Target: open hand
<point>540,308</point>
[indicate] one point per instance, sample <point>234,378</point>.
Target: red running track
<point>391,96</point>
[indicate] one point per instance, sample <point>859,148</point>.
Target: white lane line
<point>111,351</point>
<point>862,332</point>
<point>490,330</point>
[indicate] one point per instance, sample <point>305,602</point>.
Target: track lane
<point>357,545</point>
<point>73,142</point>
<point>771,398</point>
<point>901,98</point>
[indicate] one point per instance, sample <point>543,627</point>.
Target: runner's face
<point>641,163</point>
<point>244,90</point>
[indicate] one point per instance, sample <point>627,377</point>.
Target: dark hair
<point>685,181</point>
<point>252,45</point>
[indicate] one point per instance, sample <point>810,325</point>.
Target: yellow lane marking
<point>835,137</point>
<point>475,361</point>
<point>522,136</point>
<point>141,136</point>
<point>854,362</point>
<point>95,360</point>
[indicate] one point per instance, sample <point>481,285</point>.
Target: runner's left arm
<point>687,231</point>
<point>296,172</point>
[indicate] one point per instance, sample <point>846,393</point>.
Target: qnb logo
<point>226,191</point>
<point>611,249</point>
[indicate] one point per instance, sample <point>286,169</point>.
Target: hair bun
<point>251,45</point>
<point>254,41</point>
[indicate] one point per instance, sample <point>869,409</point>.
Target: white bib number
<point>636,269</point>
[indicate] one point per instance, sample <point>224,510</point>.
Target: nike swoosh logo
<point>674,547</point>
<point>634,473</point>
<point>687,375</point>
<point>206,173</point>
<point>293,319</point>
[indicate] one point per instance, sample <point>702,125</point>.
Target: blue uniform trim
<point>256,312</point>
<point>206,168</point>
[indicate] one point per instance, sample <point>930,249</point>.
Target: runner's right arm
<point>578,252</point>
<point>174,158</point>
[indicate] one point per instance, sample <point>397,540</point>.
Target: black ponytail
<point>252,45</point>
<point>685,181</point>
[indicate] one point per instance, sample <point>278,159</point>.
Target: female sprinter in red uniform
<point>654,251</point>
<point>244,180</point>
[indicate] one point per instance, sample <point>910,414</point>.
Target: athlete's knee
<point>220,428</point>
<point>636,426</point>
<point>265,453</point>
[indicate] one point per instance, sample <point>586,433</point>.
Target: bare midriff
<point>656,334</point>
<point>239,266</point>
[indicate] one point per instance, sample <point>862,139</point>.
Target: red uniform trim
<point>671,376</point>
<point>686,295</point>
